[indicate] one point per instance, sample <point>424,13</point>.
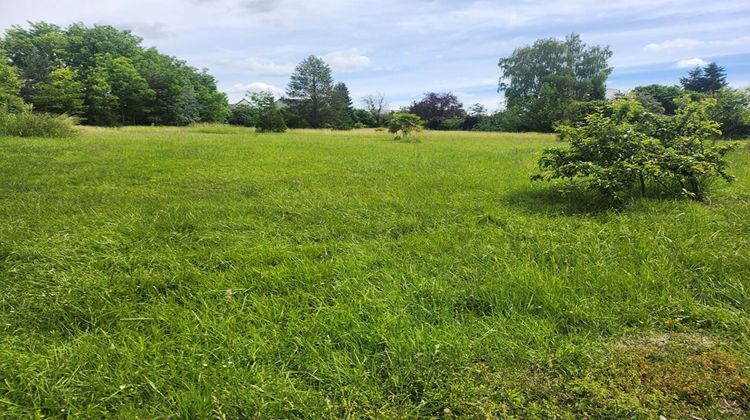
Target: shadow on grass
<point>551,200</point>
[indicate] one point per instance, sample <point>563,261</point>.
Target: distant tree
<point>478,110</point>
<point>241,115</point>
<point>363,118</point>
<point>309,91</point>
<point>213,105</point>
<point>112,66</point>
<point>84,45</point>
<point>342,107</point>
<point>265,115</point>
<point>732,112</point>
<point>665,96</point>
<point>62,94</point>
<point>185,109</point>
<point>35,52</point>
<point>694,80</point>
<point>648,101</point>
<point>10,87</point>
<point>540,80</point>
<point>715,77</point>
<point>477,113</point>
<point>101,103</point>
<point>376,105</point>
<point>437,108</point>
<point>129,86</point>
<point>404,123</point>
<point>708,79</point>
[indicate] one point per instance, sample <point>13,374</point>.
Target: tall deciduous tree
<point>35,52</point>
<point>540,80</point>
<point>376,105</point>
<point>101,103</point>
<point>62,94</point>
<point>10,86</point>
<point>142,86</point>
<point>309,91</point>
<point>130,87</point>
<point>436,108</point>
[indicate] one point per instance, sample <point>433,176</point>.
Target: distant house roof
<point>279,103</point>
<point>242,101</point>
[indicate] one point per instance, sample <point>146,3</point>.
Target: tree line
<point>555,82</point>
<point>103,76</point>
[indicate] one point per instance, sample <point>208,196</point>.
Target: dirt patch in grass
<point>675,375</point>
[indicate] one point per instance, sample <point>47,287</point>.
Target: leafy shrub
<point>271,121</point>
<point>266,114</point>
<point>28,124</point>
<point>404,123</point>
<point>452,124</point>
<point>622,145</point>
<point>241,115</point>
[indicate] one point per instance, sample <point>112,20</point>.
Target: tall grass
<point>151,272</point>
<point>30,124</point>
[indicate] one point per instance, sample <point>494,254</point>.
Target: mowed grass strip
<point>214,272</point>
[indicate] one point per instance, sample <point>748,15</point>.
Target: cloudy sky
<point>404,48</point>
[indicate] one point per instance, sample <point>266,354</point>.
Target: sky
<point>404,48</point>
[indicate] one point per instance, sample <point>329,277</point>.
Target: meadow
<point>215,272</point>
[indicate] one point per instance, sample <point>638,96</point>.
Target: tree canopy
<point>310,90</point>
<point>106,76</point>
<point>707,79</point>
<point>540,80</point>
<point>10,86</point>
<point>437,108</point>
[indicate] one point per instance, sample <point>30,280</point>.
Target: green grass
<point>199,272</point>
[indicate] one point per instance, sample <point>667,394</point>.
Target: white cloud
<point>672,44</point>
<point>689,43</point>
<point>347,60</point>
<point>259,67</point>
<point>240,89</point>
<point>690,63</point>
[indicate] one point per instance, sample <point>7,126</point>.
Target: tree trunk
<point>643,185</point>
<point>695,186</point>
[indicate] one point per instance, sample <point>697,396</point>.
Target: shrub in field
<point>622,146</point>
<point>241,115</point>
<point>265,115</point>
<point>28,124</point>
<point>404,123</point>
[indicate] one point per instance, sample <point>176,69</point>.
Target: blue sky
<point>408,47</point>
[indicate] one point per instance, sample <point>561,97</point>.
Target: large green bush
<point>241,115</point>
<point>266,116</point>
<point>622,148</point>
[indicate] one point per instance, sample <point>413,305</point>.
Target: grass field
<point>214,272</point>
